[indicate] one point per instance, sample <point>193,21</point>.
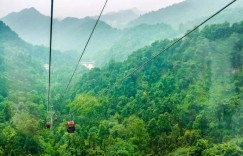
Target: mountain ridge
<point>72,34</point>
<point>183,12</point>
<point>33,27</point>
<point>119,19</point>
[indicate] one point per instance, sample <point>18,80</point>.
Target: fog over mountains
<point>184,12</point>
<point>33,27</point>
<point>121,18</point>
<point>129,96</point>
<point>118,33</point>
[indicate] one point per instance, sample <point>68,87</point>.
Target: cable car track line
<point>50,52</point>
<point>76,67</point>
<point>169,46</point>
<point>86,45</point>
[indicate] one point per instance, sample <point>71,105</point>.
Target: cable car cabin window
<point>48,125</point>
<point>70,126</point>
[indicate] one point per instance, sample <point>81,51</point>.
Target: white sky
<point>81,8</point>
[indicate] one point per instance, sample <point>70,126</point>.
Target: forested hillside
<point>189,101</point>
<point>133,39</point>
<point>23,86</point>
<point>3,85</point>
<point>232,15</point>
<point>186,102</point>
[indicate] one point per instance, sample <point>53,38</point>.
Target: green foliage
<point>3,82</point>
<point>224,149</point>
<point>121,148</point>
<point>26,123</point>
<point>183,103</point>
<point>217,31</point>
<point>188,101</point>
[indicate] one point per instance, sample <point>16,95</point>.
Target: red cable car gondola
<point>48,125</point>
<point>70,126</point>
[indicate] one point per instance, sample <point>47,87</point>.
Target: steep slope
<point>109,43</point>
<point>3,83</point>
<point>72,34</point>
<point>23,69</point>
<point>68,34</point>
<point>183,12</point>
<point>32,26</point>
<point>24,64</point>
<point>24,86</point>
<point>135,38</point>
<point>188,101</point>
<point>229,15</point>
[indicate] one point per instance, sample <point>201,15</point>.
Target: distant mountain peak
<point>119,19</point>
<point>69,19</point>
<point>31,10</point>
<point>88,18</point>
<point>27,13</point>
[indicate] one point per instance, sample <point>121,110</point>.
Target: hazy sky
<point>81,8</point>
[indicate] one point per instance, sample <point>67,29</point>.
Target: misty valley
<point>132,94</point>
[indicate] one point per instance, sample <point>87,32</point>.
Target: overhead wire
<point>86,45</point>
<point>81,56</point>
<point>138,68</point>
<point>50,58</point>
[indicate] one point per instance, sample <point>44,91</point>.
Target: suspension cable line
<point>86,45</point>
<point>138,68</point>
<point>50,56</point>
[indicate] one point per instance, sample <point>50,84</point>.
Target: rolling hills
<point>68,34</point>
<point>183,13</point>
<point>72,34</point>
<point>188,101</point>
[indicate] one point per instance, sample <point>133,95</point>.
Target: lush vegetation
<point>189,101</point>
<point>186,102</point>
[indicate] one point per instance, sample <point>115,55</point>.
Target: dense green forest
<point>186,102</point>
<point>189,101</point>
